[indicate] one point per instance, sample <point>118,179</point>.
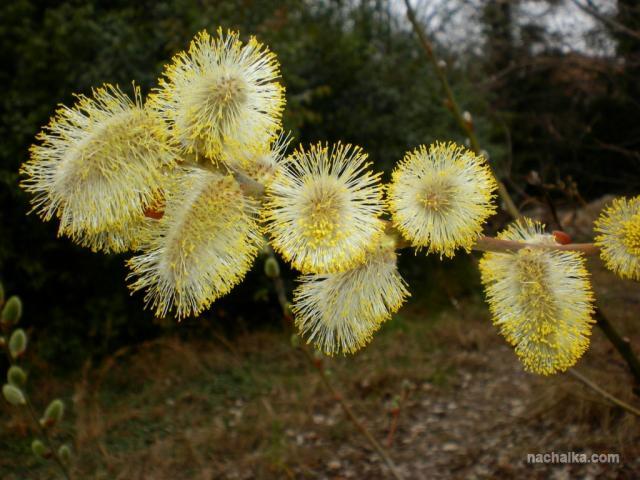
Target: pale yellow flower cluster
<point>618,237</point>
<point>194,177</point>
<point>159,177</point>
<point>440,196</point>
<point>541,299</point>
<point>98,166</point>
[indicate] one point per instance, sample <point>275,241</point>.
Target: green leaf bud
<point>271,268</point>
<point>12,311</point>
<point>38,449</point>
<point>16,376</point>
<point>17,343</point>
<point>64,452</point>
<point>53,414</point>
<point>13,395</point>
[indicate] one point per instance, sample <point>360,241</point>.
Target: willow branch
<point>42,430</point>
<point>465,125</point>
<point>492,244</point>
<point>47,438</point>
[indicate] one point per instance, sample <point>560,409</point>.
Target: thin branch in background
<point>591,10</point>
<point>592,385</point>
<point>465,125</point>
<point>622,345</point>
<point>47,439</point>
<point>281,293</point>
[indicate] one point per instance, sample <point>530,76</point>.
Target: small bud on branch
<point>13,395</point>
<point>12,311</point>
<point>17,343</point>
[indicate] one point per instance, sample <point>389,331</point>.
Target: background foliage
<point>353,72</point>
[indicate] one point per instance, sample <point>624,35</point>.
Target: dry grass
<point>252,407</point>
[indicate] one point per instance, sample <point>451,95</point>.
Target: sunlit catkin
<point>259,162</point>
<point>97,166</point>
<point>618,229</point>
<point>440,196</point>
<point>130,235</point>
<point>202,246</point>
<point>322,208</point>
<point>221,92</point>
<point>340,312</point>
<point>540,299</point>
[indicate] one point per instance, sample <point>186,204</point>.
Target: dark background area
<point>353,72</point>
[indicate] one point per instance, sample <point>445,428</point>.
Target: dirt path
<point>484,425</point>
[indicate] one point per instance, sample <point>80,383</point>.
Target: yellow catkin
<point>540,299</point>
<point>440,196</point>
<point>260,162</point>
<point>322,208</point>
<point>202,246</point>
<point>340,312</point>
<point>221,93</point>
<point>97,166</point>
<point>618,229</point>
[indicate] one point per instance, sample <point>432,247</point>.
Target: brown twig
<point>491,244</point>
<point>355,420</point>
<point>395,413</point>
<point>604,393</point>
<point>284,305</point>
<point>465,125</point>
<point>622,345</point>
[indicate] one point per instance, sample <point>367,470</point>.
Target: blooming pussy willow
<point>440,196</point>
<point>540,298</point>
<point>340,312</point>
<point>201,247</point>
<point>259,162</point>
<point>221,92</point>
<point>322,208</point>
<point>130,235</point>
<point>619,237</point>
<point>98,166</point>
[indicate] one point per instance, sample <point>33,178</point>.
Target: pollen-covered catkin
<point>340,312</point>
<point>440,196</point>
<point>202,247</point>
<point>221,92</point>
<point>540,299</point>
<point>618,229</point>
<point>97,166</point>
<point>260,162</point>
<point>322,208</point>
